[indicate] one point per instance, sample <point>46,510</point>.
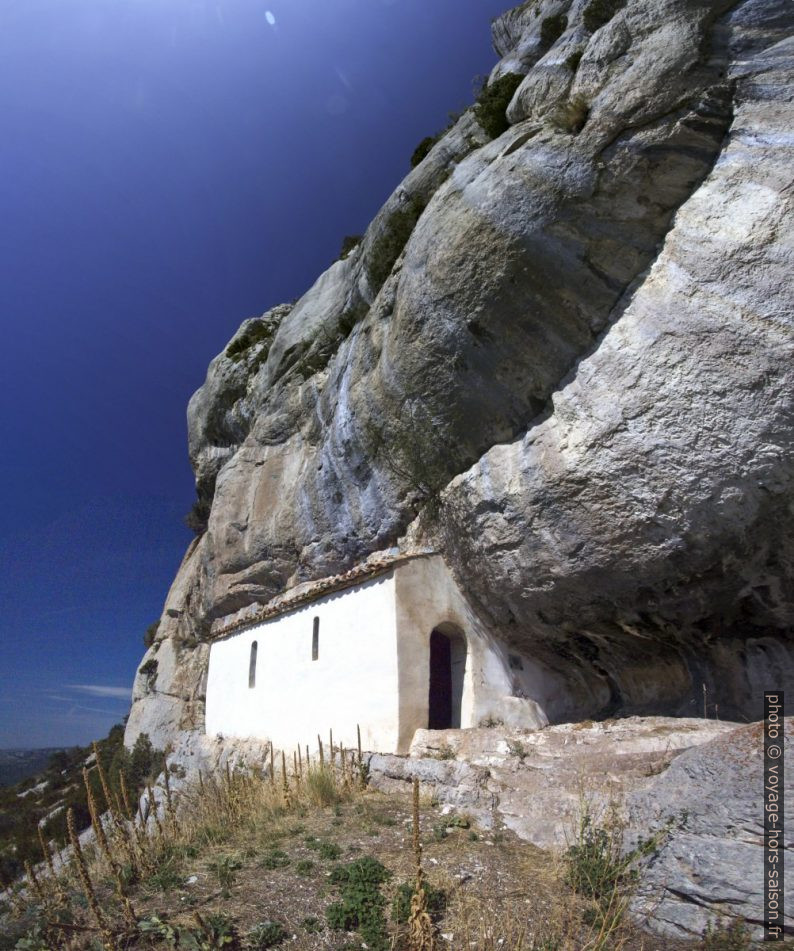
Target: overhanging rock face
<point>579,334</point>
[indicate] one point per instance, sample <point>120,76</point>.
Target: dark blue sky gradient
<point>168,168</point>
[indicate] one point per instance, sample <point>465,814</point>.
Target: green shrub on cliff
<point>424,147</point>
<point>492,103</point>
<point>388,246</point>
<point>552,28</point>
<point>197,518</point>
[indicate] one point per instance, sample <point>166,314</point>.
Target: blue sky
<point>169,168</point>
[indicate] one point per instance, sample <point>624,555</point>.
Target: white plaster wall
<point>428,597</point>
<point>354,681</point>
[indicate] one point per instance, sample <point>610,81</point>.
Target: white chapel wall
<point>353,681</point>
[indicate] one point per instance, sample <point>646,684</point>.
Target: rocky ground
<point>500,811</point>
<point>500,892</point>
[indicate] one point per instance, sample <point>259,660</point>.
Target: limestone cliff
<point>563,356</point>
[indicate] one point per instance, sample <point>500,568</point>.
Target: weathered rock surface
<point>583,330</point>
<point>642,529</point>
<point>710,865</point>
<point>536,783</point>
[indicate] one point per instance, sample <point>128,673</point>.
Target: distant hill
<point>16,765</point>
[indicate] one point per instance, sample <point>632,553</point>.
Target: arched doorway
<point>447,671</point>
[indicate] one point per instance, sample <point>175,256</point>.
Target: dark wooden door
<point>440,712</point>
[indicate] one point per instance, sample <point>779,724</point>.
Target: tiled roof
<point>310,591</point>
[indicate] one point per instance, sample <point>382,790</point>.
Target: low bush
<point>198,517</point>
<point>150,633</point>
<point>149,672</point>
<point>242,344</point>
<point>349,243</point>
<point>552,28</point>
<point>389,245</point>
<point>595,862</point>
<point>329,851</point>
<point>275,858</point>
<point>490,109</point>
<point>422,150</point>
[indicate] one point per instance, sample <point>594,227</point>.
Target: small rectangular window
<point>316,639</point>
<point>252,666</point>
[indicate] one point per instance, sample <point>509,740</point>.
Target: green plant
<point>595,862</point>
<point>361,902</point>
<point>225,868</point>
<point>599,12</point>
<point>435,898</point>
<point>719,936</point>
<point>440,831</point>
<point>255,333</point>
<point>490,722</point>
<point>156,929</point>
<point>149,671</point>
<point>34,940</point>
<point>197,518</point>
<point>423,149</point>
<point>304,868</point>
<point>150,633</point>
<point>329,851</point>
<point>445,751</point>
<point>215,932</point>
<point>164,878</point>
<point>573,59</point>
<point>266,935</point>
<point>598,868</point>
<point>274,858</point>
<point>145,762</point>
<point>312,925</point>
<point>389,244</point>
<point>552,28</point>
<point>493,99</point>
<point>349,243</point>
<point>516,748</point>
